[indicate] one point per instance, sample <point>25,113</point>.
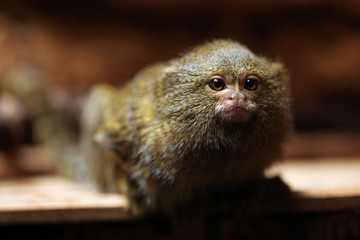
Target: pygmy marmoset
<point>215,116</point>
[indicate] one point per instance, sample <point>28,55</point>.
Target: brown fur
<point>164,128</point>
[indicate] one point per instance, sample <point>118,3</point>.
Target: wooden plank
<point>329,185</point>
<point>317,185</point>
<point>324,177</point>
<point>53,198</point>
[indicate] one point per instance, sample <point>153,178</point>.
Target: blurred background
<point>76,44</point>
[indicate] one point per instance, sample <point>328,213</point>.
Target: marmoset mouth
<point>236,113</point>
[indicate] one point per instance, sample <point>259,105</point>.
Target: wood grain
<point>53,198</point>
<point>329,185</point>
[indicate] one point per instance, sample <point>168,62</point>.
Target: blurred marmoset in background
<point>216,116</point>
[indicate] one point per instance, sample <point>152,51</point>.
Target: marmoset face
<point>225,83</point>
<point>235,96</point>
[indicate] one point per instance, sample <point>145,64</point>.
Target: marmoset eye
<point>251,83</point>
<point>217,83</point>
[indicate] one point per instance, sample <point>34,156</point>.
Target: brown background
<point>78,43</point>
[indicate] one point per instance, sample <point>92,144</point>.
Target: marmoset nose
<point>237,97</point>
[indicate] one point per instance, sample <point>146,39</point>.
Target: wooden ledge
<point>321,178</point>
<point>56,199</point>
<point>326,185</point>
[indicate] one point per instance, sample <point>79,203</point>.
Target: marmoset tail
<point>215,116</point>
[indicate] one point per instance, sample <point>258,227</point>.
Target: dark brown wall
<point>76,44</point>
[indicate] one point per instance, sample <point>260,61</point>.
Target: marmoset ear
<point>109,136</point>
<point>280,72</point>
